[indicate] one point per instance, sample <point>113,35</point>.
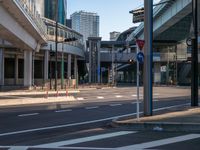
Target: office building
<point>86,23</point>
<point>50,10</point>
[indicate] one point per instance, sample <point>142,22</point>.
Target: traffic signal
<point>52,53</point>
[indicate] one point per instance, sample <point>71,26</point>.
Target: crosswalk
<point>110,96</point>
<point>139,141</point>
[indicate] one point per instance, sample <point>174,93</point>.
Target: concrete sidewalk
<point>41,96</point>
<point>177,119</point>
<point>21,97</point>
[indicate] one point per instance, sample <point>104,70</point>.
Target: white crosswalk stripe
<point>86,139</point>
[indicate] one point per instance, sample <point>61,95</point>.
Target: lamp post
<point>56,46</point>
<point>62,67</point>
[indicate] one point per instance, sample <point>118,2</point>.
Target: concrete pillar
<point>75,67</point>
<point>28,69</point>
<point>16,69</point>
<point>90,62</point>
<point>157,73</point>
<point>1,67</point>
<point>98,62</point>
<point>69,65</point>
<point>46,65</point>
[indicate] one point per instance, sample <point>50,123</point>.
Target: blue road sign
<point>140,57</point>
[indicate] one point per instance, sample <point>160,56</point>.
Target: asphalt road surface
<point>85,124</point>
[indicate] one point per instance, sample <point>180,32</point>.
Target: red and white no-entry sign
<point>140,43</point>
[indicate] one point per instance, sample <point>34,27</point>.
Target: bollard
<point>66,92</point>
<point>57,93</point>
<point>47,93</point>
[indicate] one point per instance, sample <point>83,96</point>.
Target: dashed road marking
<point>83,123</point>
<point>94,107</point>
<point>26,115</point>
<point>100,97</point>
<point>80,98</point>
<point>118,96</point>
<point>60,111</point>
<point>113,105</point>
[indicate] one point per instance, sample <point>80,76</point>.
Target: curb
<point>7,103</point>
<point>158,126</point>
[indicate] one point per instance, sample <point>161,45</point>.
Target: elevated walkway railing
<point>35,17</point>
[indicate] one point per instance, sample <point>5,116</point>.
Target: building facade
<point>86,23</point>
<point>50,10</point>
<point>114,35</point>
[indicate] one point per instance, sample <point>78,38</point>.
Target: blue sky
<point>114,14</point>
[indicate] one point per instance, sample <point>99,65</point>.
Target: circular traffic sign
<point>140,57</point>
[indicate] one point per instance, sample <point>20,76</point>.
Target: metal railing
<point>63,33</point>
<point>35,17</point>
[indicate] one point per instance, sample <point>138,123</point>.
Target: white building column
<point>27,68</point>
<point>1,67</point>
<point>16,69</point>
<point>157,73</point>
<point>69,66</point>
<point>75,68</point>
<point>46,65</point>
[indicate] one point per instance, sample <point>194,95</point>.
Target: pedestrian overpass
<point>25,43</point>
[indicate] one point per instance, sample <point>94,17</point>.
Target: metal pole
<point>148,35</point>
<point>62,68</point>
<point>56,44</point>
<point>138,88</point>
<point>113,72</point>
<point>194,80</point>
<point>50,69</point>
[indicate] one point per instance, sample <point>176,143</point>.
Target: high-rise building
<point>49,9</point>
<point>86,23</point>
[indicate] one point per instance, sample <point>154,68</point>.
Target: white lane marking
<point>155,100</point>
<point>80,98</point>
<point>161,142</point>
<point>156,94</point>
<point>83,123</point>
<point>18,148</point>
<point>60,111</point>
<point>93,107</point>
<point>118,96</point>
<point>26,115</point>
<point>28,147</point>
<point>134,95</point>
<point>113,105</point>
<point>85,139</point>
<point>100,97</point>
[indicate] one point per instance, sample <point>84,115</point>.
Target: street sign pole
<point>138,88</point>
<point>148,37</point>
<point>194,79</point>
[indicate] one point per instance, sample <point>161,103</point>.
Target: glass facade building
<point>86,23</point>
<point>50,10</point>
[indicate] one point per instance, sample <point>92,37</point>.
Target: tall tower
<point>86,23</point>
<point>50,10</point>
